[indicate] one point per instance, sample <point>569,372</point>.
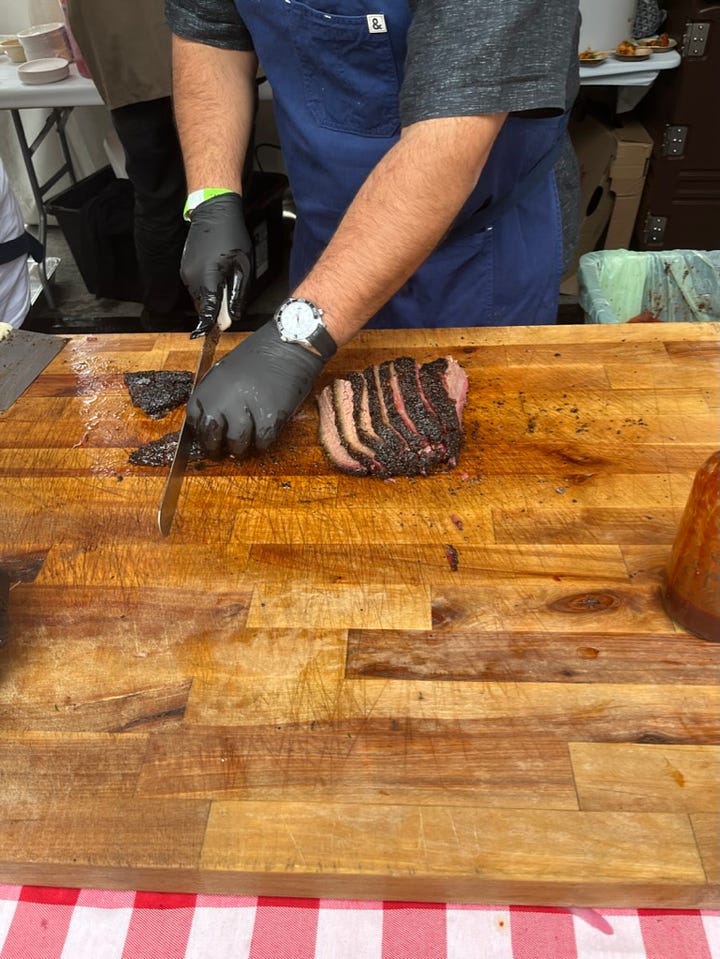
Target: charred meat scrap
<point>160,452</point>
<point>396,418</point>
<point>157,392</point>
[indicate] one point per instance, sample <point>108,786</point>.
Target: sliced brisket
<point>396,418</point>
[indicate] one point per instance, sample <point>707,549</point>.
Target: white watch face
<point>298,320</point>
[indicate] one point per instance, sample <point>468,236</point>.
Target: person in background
<point>16,244</point>
<point>421,141</point>
<point>127,48</point>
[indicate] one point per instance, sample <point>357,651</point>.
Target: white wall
<point>18,14</point>
<point>605,23</point>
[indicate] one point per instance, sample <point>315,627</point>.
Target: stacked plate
<point>45,70</point>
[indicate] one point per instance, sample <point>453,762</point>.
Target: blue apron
<point>336,75</point>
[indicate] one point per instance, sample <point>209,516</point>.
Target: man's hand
<point>247,398</point>
<point>218,255</point>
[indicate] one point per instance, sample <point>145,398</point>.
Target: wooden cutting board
<point>297,693</point>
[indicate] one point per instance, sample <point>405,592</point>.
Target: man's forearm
<point>214,97</point>
<point>398,217</point>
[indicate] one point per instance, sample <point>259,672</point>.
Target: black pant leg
<point>154,166</point>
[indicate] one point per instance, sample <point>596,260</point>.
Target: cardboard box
<point>633,146</point>
<point>622,222</point>
<point>613,165</point>
<point>628,170</point>
<point>595,148</point>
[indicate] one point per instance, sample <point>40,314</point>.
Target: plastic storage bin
<point>617,286</point>
<point>96,217</point>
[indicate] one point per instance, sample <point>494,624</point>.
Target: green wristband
<point>199,196</point>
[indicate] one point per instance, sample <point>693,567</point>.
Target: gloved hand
<point>218,255</point>
<point>248,397</point>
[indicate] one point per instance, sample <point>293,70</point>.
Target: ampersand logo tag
<point>376,23</point>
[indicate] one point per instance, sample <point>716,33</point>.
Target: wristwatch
<point>300,321</point>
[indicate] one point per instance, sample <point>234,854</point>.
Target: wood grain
<point>301,692</point>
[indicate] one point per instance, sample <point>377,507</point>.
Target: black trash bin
<point>264,194</point>
<point>96,218</point>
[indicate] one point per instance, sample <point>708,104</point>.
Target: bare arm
<point>214,97</point>
<point>398,217</point>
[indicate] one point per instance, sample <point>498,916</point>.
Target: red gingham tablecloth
<point>50,923</point>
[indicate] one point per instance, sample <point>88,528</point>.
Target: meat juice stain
<point>457,522</point>
<point>677,776</point>
<point>453,557</point>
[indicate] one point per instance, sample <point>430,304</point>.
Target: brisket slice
<point>398,415</point>
<point>348,429</point>
<point>388,447</point>
<point>444,387</point>
<point>330,439</point>
<point>156,392</point>
<point>417,410</point>
<point>396,418</point>
<point>420,412</point>
<point>387,419</point>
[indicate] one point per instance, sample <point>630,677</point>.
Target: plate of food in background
<point>660,44</point>
<point>589,57</point>
<point>627,50</point>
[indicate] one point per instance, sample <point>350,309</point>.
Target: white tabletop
<point>73,91</point>
<point>620,73</point>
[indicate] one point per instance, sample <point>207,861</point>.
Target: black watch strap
<point>321,340</point>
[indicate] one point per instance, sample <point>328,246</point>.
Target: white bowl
<point>45,40</point>
<point>47,70</point>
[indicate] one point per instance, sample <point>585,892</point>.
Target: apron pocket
<point>350,79</point>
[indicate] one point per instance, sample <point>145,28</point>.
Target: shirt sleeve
<point>471,57</point>
<point>215,22</point>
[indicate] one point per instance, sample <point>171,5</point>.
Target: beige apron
<point>126,45</point>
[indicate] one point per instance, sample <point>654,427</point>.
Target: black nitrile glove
<point>218,255</point>
<point>247,398</point>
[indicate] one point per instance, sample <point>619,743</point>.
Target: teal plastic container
<point>673,286</point>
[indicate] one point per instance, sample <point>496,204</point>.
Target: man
<point>420,142</point>
<point>127,49</point>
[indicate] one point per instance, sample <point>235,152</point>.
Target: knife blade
<point>173,484</point>
<point>23,357</point>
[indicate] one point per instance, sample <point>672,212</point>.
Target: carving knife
<point>173,484</point>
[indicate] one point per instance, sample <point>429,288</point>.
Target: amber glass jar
<point>691,592</point>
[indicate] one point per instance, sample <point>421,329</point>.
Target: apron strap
<point>483,218</point>
<point>24,245</point>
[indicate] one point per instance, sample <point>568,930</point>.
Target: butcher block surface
<point>454,688</point>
